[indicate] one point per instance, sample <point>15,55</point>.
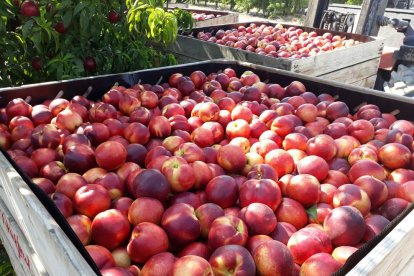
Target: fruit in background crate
<point>277,41</point>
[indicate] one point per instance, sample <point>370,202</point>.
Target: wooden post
<point>368,18</point>
<point>315,12</point>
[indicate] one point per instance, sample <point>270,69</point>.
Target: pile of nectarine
<point>215,174</point>
<point>277,41</point>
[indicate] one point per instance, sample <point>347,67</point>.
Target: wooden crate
<point>39,242</point>
<point>357,65</point>
<point>36,244</point>
<point>224,18</point>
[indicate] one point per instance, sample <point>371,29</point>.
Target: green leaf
<point>67,18</point>
<point>312,212</point>
<point>57,41</point>
<point>27,27</point>
<point>80,6</point>
<point>84,22</point>
<point>37,41</point>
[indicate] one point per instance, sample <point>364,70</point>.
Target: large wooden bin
<point>40,241</point>
<point>221,17</point>
<point>357,65</point>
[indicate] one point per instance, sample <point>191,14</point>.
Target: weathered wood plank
<point>52,248</point>
<point>225,19</point>
<point>367,22</point>
<point>314,13</point>
<point>367,82</point>
<point>354,73</point>
<point>184,59</point>
<point>331,61</point>
<point>22,255</point>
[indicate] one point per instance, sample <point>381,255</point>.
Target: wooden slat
<point>368,16</point>
<point>314,13</point>
<point>53,250</point>
<point>367,82</point>
<point>22,255</point>
<point>225,19</point>
<point>181,59</point>
<point>331,61</point>
<point>354,73</point>
<point>394,255</point>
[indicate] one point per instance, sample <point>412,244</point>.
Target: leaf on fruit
<point>312,212</point>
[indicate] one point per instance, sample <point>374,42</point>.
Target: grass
<point>6,268</point>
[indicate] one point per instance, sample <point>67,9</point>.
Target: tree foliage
<point>54,44</point>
